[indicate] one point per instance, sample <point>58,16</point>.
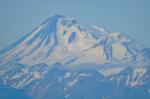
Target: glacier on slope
<point>64,59</point>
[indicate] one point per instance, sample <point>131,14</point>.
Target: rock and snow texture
<point>63,40</point>
<point>111,71</point>
<point>51,55</point>
<point>137,77</point>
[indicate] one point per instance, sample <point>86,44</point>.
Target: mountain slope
<point>64,59</point>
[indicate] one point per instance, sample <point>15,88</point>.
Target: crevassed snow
<point>111,71</point>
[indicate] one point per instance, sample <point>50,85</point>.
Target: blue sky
<point>131,17</point>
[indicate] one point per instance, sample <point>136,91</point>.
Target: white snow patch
<point>67,75</point>
<point>111,71</point>
<point>43,89</point>
<point>139,72</point>
<point>72,82</point>
<point>136,78</point>
<point>27,59</point>
<point>25,71</point>
<point>59,79</point>
<point>2,72</point>
<point>93,55</point>
<point>66,96</point>
<point>36,75</point>
<point>16,76</point>
<point>65,89</point>
<point>84,75</point>
<point>16,50</point>
<point>22,83</point>
<point>6,76</point>
<point>149,91</point>
<point>118,51</point>
<point>5,82</point>
<point>134,83</point>
<point>34,33</point>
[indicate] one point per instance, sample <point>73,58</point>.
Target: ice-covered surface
<point>111,71</point>
<point>118,51</point>
<point>65,57</point>
<point>62,39</point>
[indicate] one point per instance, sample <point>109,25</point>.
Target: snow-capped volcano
<point>62,40</point>
<point>33,61</point>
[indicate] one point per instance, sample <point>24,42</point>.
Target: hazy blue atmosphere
<point>131,17</point>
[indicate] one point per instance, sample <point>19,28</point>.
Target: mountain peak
<point>62,40</point>
<point>58,16</point>
<point>45,58</point>
<point>61,19</point>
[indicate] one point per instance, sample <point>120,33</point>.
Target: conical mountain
<point>64,59</point>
